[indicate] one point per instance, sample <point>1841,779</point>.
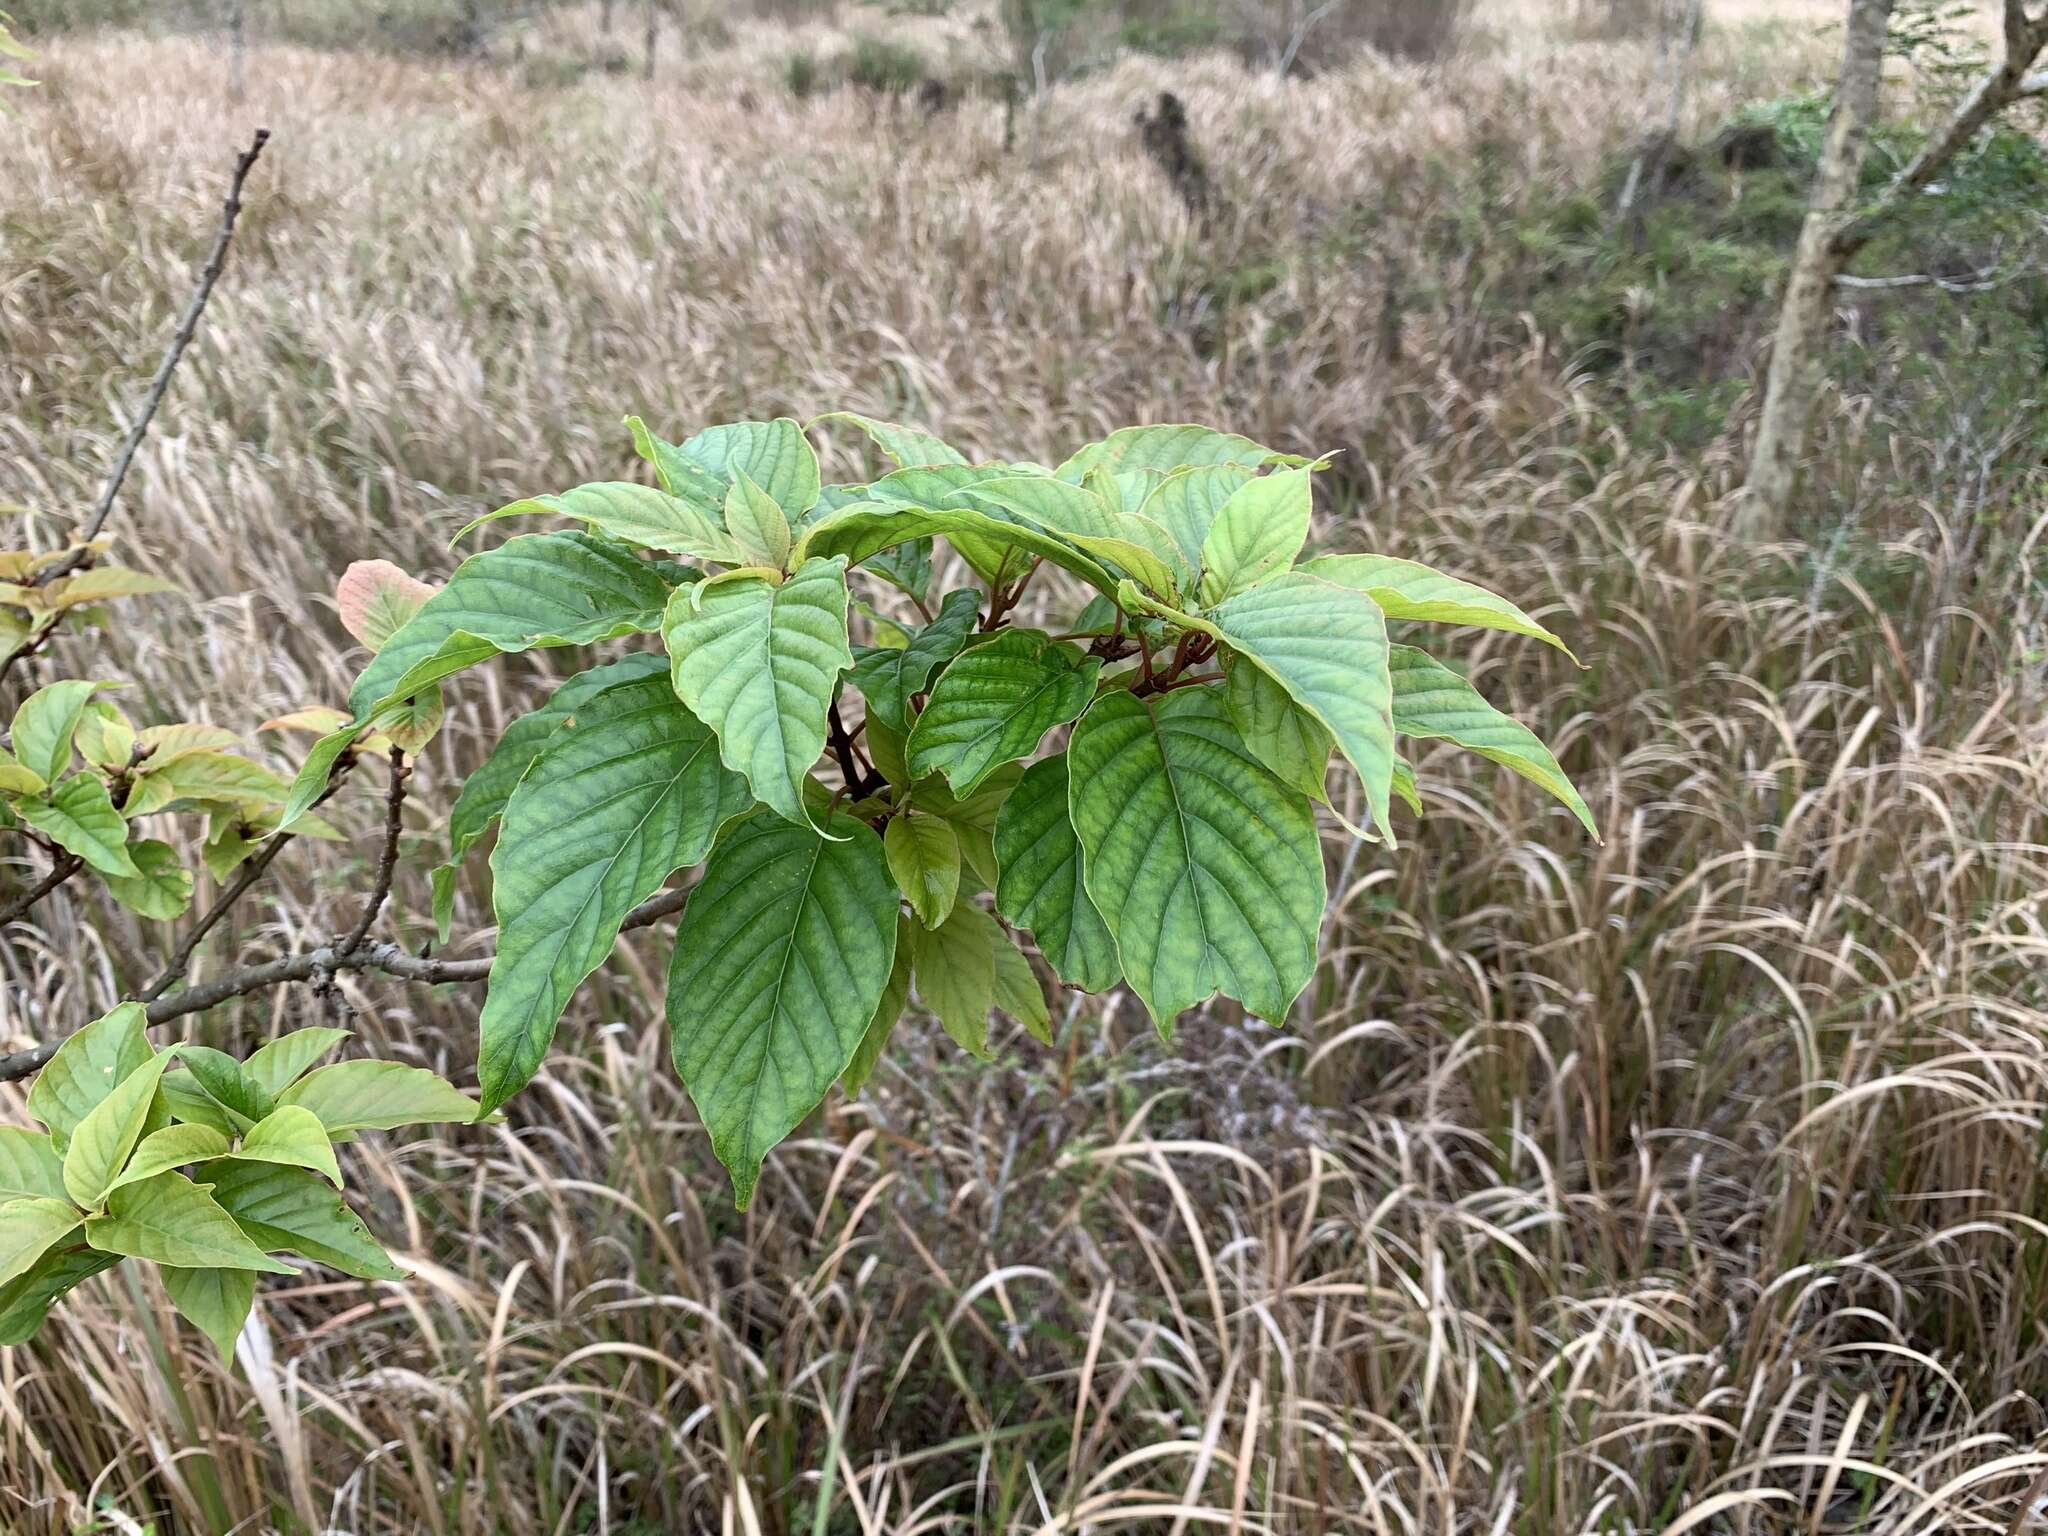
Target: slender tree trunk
<point>1794,377</point>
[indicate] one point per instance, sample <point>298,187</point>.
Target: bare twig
<point>326,961</point>
<point>67,865</point>
<point>387,862</point>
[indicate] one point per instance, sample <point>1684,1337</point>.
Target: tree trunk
<point>1794,377</point>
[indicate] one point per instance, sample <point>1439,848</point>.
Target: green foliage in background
<point>1135,788</point>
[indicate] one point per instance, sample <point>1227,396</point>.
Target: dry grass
<point>1692,1182</point>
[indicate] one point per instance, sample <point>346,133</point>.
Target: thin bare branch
<point>67,865</point>
<point>387,861</point>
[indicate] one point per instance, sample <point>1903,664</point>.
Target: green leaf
<point>1019,993</point>
<point>220,777</point>
<point>292,1135</point>
<point>539,589</point>
<point>1135,545</point>
<point>907,447</point>
<point>973,816</point>
<point>987,542</point>
<point>215,1301</point>
<point>282,1207</point>
<point>895,998</point>
<point>1293,744</point>
<point>908,567</point>
<point>779,965</point>
<point>1327,646</point>
<point>758,664</point>
<point>924,856</point>
<point>172,1147</point>
<point>378,1096</point>
<point>953,968</point>
<point>888,677</point>
<point>1257,532</point>
<point>45,724</point>
<point>274,1067</point>
<point>30,1168</point>
<point>1404,787</point>
<point>169,1219</point>
<point>1168,448</point>
<point>87,1067</point>
<point>1405,590</point>
<point>679,476</point>
<point>375,599</point>
<point>17,780</point>
<point>79,817</point>
<point>633,514</point>
<point>1040,885</point>
<point>1205,867</point>
<point>29,1229</point>
<point>309,784</point>
<point>1430,700</point>
<point>1185,503</point>
<point>192,1105</point>
<point>226,1083</point>
<point>630,790</point>
<point>26,1301</point>
<point>759,527</point>
<point>886,750</point>
<point>164,889</point>
<point>485,791</point>
<point>100,1145</point>
<point>775,455</point>
<point>994,703</point>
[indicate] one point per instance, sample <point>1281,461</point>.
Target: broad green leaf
<point>539,589</point>
<point>292,1135</point>
<point>1293,744</point>
<point>378,1096</point>
<point>1327,646</point>
<point>1185,503</point>
<point>167,743</point>
<point>1040,887</point>
<point>311,781</point>
<point>759,527</point>
<point>988,543</point>
<point>953,968</point>
<point>1405,590</point>
<point>1257,532</point>
<point>944,487</point>
<point>1168,448</point>
<point>45,724</point>
<point>679,476</point>
<point>226,1083</point>
<point>102,584</point>
<point>164,888</point>
<point>629,790</point>
<point>1430,700</point>
<point>375,600</point>
<point>17,780</point>
<point>1205,867</point>
<point>775,455</point>
<point>79,817</point>
<point>215,1301</point>
<point>1404,787</point>
<point>973,815</point>
<point>895,998</point>
<point>758,664</point>
<point>26,1301</point>
<point>30,1168</point>
<point>886,750</point>
<point>87,1067</point>
<point>169,1219</point>
<point>995,702</point>
<point>274,1067</point>
<point>907,567</point>
<point>1019,993</point>
<point>888,677</point>
<point>172,1147</point>
<point>1137,546</point>
<point>219,777</point>
<point>779,966</point>
<point>924,856</point>
<point>100,1145</point>
<point>633,514</point>
<point>907,447</point>
<point>104,737</point>
<point>31,1228</point>
<point>191,1104</point>
<point>283,1207</point>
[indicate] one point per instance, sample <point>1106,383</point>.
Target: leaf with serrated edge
<point>30,1168</point>
<point>378,1096</point>
<point>995,702</point>
<point>924,856</point>
<point>291,1208</point>
<point>215,1301</point>
<point>1430,700</point>
<point>1205,867</point>
<point>100,1145</point>
<point>1257,532</point>
<point>169,1219</point>
<point>1040,887</point>
<point>87,1067</point>
<point>276,1066</point>
<point>888,677</point>
<point>628,792</point>
<point>292,1135</point>
<point>758,663</point>
<point>1406,590</point>
<point>31,1228</point>
<point>953,968</point>
<point>779,965</point>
